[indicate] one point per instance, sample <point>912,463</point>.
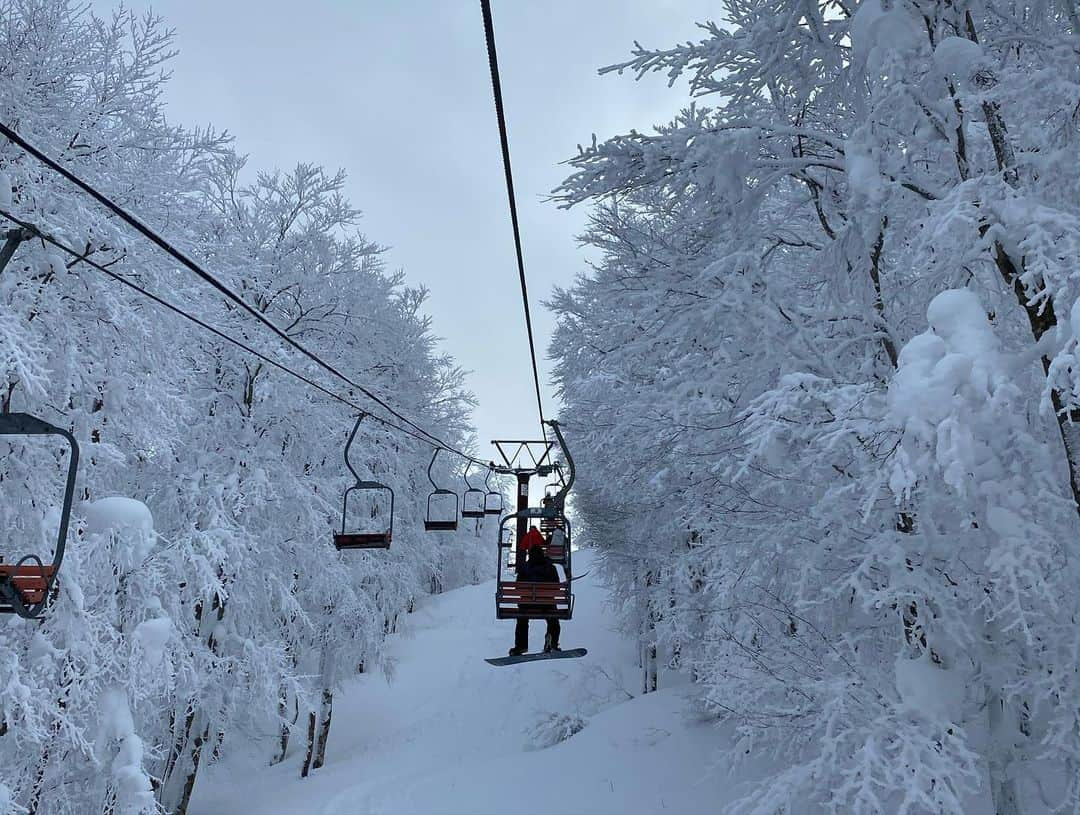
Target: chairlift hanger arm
<point>561,496</point>
<point>349,444</point>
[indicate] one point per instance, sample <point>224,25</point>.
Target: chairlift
<point>473,499</point>
<point>442,512</point>
<point>519,599</point>
<point>26,585</point>
<point>516,599</point>
<point>493,500</point>
<point>371,538</point>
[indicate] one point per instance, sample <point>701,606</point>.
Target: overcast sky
<point>398,94</point>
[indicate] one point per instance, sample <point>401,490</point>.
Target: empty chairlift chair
<point>26,584</point>
<point>372,527</point>
<point>472,500</point>
<point>554,526</point>
<point>493,501</point>
<point>442,505</point>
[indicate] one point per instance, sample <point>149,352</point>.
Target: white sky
<point>398,94</point>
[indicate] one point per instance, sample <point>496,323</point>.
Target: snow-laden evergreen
<point>823,384</point>
<point>200,597</point>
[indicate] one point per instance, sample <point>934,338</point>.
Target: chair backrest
<point>26,592</point>
<point>443,508</point>
<point>351,538</point>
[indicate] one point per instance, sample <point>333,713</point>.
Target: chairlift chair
<point>351,538</point>
<point>25,585</point>
<point>519,599</point>
<point>493,500</point>
<point>473,499</point>
<point>439,517</point>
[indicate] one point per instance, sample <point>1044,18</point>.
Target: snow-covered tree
<point>854,532</point>
<point>208,606</point>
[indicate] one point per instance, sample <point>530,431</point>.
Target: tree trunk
<point>648,657</point>
<point>109,807</point>
<point>1040,312</point>
<point>1002,785</point>
<point>39,782</point>
<point>326,679</point>
<point>310,745</point>
<point>181,742</point>
<point>193,771</point>
<point>38,786</point>
<point>325,713</point>
<point>286,728</point>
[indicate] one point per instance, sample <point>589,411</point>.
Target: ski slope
<point>451,735</point>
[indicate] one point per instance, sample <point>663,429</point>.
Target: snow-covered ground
<point>451,734</point>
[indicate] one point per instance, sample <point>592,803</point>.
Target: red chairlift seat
<point>518,599</point>
<point>440,526</point>
<point>363,539</point>
<point>439,519</point>
<point>556,553</point>
<point>30,581</point>
<point>377,539</point>
<point>25,585</point>
<point>472,500</point>
<point>515,600</point>
<point>552,523</point>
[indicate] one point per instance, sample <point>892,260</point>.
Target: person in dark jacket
<point>536,569</point>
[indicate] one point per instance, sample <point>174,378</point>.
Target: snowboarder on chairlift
<point>536,569</point>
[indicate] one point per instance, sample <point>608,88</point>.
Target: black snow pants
<point>521,631</point>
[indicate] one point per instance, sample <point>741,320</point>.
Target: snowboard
<point>573,653</point>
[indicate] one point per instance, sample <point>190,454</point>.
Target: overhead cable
<point>496,88</point>
<point>178,255</point>
<point>82,258</point>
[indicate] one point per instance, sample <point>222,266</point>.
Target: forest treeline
<point>823,386</point>
<point>200,602</point>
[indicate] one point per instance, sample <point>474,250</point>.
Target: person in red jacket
<point>531,538</point>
